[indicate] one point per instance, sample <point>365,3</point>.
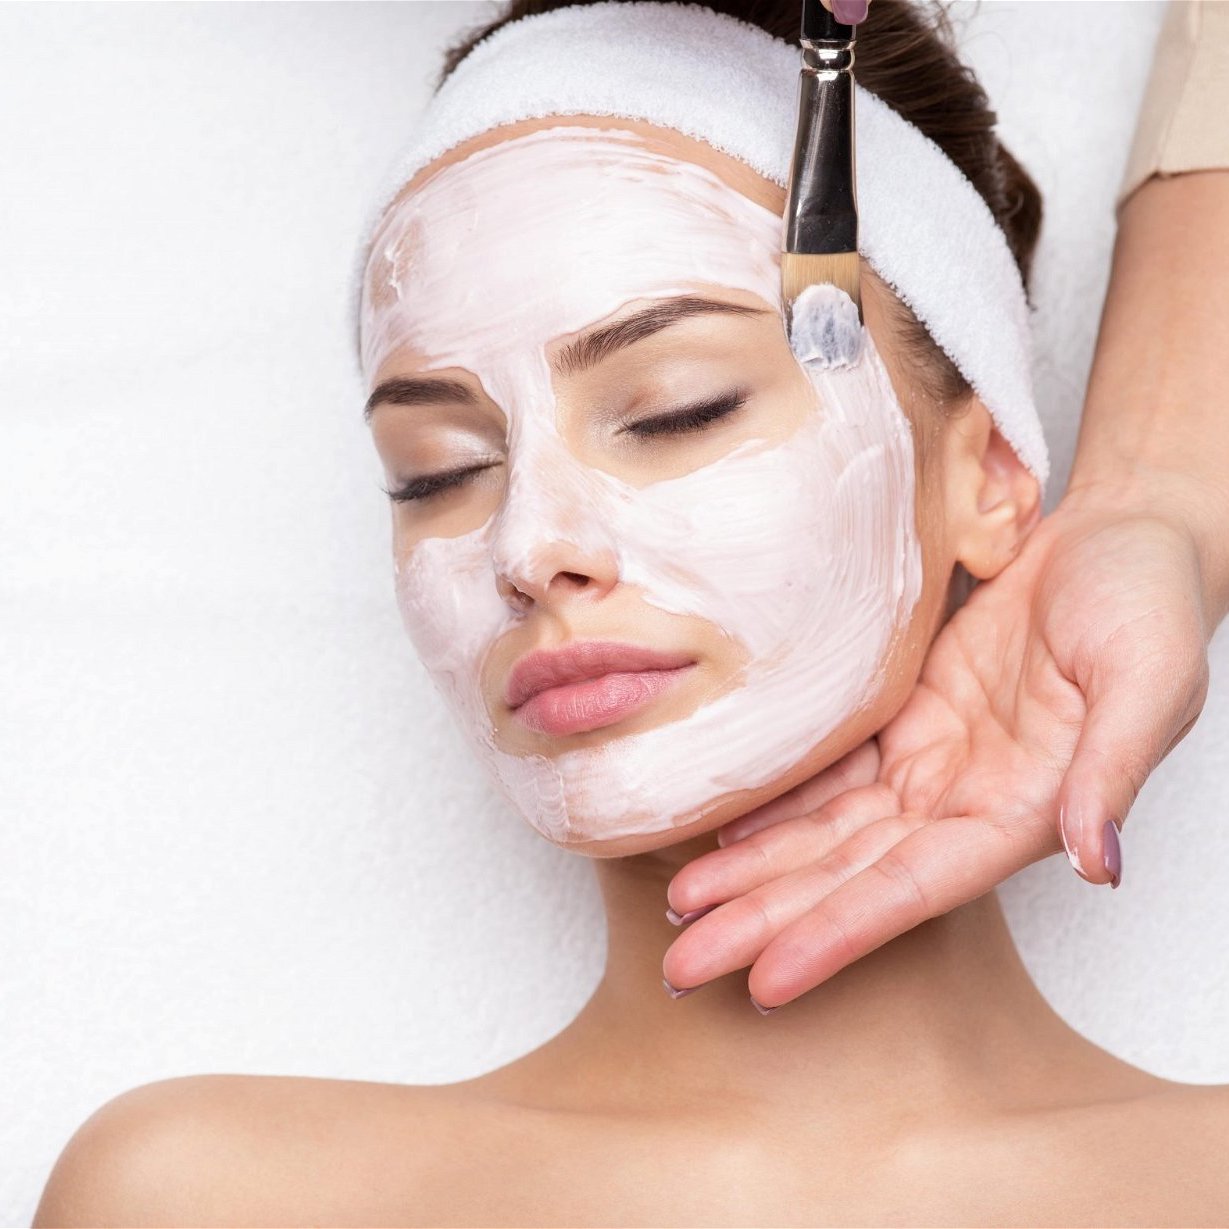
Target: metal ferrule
<point>821,211</point>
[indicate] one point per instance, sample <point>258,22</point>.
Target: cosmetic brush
<point>820,237</point>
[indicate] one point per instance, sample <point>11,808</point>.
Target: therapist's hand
<point>1043,705</point>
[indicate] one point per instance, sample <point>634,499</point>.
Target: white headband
<point>923,227</point>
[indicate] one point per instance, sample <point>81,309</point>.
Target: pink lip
<point>590,684</point>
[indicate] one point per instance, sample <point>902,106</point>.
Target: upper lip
<point>584,659</point>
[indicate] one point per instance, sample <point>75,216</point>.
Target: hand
<point>1044,703</point>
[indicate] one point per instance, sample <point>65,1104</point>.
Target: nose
<point>552,573</point>
<point>551,542</point>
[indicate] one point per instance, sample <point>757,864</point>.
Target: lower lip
<point>594,703</point>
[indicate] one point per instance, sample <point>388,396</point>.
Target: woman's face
<point>662,570</point>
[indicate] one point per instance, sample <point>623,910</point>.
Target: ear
<point>992,501</point>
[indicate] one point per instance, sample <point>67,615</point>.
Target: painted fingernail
<point>850,11</point>
<point>765,1011</point>
<point>675,993</point>
<point>680,919</point>
<point>1113,852</point>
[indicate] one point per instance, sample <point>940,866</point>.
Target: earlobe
<point>992,500</point>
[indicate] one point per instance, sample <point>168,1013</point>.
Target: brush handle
<point>821,211</point>
<point>820,26</point>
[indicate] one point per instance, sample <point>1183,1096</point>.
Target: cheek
<point>806,550</point>
<point>449,605</point>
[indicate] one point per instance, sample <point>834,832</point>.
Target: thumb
<point>1131,725</point>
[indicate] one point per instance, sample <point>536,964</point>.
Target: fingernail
<point>679,919</point>
<point>849,11</point>
<point>1113,852</point>
<point>1068,829</point>
<point>677,994</point>
<point>765,1011</point>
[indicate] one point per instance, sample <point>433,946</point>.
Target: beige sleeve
<point>1184,121</point>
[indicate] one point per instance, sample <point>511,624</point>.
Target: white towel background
<point>238,832</point>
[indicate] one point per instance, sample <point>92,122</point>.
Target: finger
<point>722,874</point>
<point>850,11</point>
<point>859,767</point>
<point>1132,724</point>
<point>735,933</point>
<point>936,867</point>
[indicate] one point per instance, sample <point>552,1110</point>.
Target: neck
<point>946,1011</point>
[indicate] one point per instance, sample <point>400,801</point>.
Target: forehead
<point>543,227</point>
<point>668,141</point>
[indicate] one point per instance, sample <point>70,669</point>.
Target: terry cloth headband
<point>923,227</point>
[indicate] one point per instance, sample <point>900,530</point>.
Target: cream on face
<point>801,551</point>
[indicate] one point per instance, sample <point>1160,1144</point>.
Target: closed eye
<point>434,484</point>
<point>693,418</point>
<point>679,422</point>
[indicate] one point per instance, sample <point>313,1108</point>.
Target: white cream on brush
<point>803,551</point>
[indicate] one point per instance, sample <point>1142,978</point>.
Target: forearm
<point>1155,428</point>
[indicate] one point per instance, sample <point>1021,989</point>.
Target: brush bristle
<point>800,270</point>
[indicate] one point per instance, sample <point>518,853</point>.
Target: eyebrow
<point>418,390</point>
<point>585,352</point>
<point>591,348</point>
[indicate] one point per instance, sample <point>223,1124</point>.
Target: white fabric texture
<point>733,85</point>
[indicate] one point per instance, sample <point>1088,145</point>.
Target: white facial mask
<point>804,551</point>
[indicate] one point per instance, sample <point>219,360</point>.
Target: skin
<point>927,1083</point>
<point>1001,758</point>
<point>1119,594</point>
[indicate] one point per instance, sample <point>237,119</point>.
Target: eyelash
<point>418,489</point>
<point>693,418</point>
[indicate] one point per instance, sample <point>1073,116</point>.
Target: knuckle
<point>1181,657</point>
<point>756,913</point>
<point>840,945</point>
<point>868,803</point>
<point>756,848</point>
<point>1200,683</point>
<point>897,827</point>
<point>900,875</point>
<point>1134,769</point>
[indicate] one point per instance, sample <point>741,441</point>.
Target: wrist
<point>1194,506</point>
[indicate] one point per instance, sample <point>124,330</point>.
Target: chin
<point>630,844</point>
<point>711,815</point>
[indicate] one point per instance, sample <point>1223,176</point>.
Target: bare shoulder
<point>1175,1145</point>
<point>279,1150</point>
<point>1194,1116</point>
<point>1208,1101</point>
<point>1158,1157</point>
<point>252,1150</point>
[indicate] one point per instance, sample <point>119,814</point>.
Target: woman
<point>633,475</point>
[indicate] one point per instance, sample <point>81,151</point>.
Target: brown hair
<point>905,55</point>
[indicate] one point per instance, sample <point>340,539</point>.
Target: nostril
<point>515,597</point>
